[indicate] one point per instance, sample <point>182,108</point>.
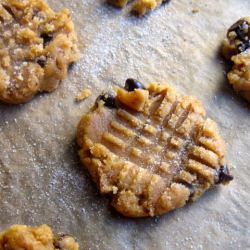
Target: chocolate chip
<point>132,84</point>
<point>108,99</point>
<point>236,25</point>
<point>9,10</point>
<point>71,66</point>
<point>244,46</point>
<point>240,28</point>
<point>41,62</point>
<point>165,1</point>
<point>223,175</point>
<point>46,38</point>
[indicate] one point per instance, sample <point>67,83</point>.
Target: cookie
<point>37,238</point>
<point>151,149</point>
<point>37,45</point>
<point>236,47</point>
<point>139,7</point>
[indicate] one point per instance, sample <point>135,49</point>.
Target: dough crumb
<point>139,7</point>
<point>195,10</point>
<point>84,94</point>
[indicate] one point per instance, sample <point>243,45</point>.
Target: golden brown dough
<point>236,47</point>
<point>36,47</point>
<point>22,237</point>
<point>239,76</point>
<point>151,149</point>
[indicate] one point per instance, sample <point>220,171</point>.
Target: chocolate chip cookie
<point>151,149</point>
<point>236,47</point>
<point>139,7</point>
<point>36,47</point>
<point>38,238</point>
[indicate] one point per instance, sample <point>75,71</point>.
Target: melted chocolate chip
<point>132,84</point>
<point>46,38</point>
<point>108,99</point>
<point>223,175</point>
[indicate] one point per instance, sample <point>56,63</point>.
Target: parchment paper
<point>41,179</point>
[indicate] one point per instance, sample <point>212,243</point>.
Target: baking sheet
<point>41,179</point>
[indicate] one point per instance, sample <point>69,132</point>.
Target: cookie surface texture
<point>151,149</point>
<point>139,7</point>
<point>236,47</point>
<point>38,238</point>
<point>36,47</point>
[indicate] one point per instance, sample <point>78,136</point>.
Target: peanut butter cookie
<point>139,7</point>
<point>236,47</point>
<point>38,238</point>
<point>36,47</point>
<point>151,149</point>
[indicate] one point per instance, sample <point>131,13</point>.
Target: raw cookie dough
<point>139,7</point>
<point>36,47</point>
<point>24,237</point>
<point>151,149</point>
<point>236,47</point>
